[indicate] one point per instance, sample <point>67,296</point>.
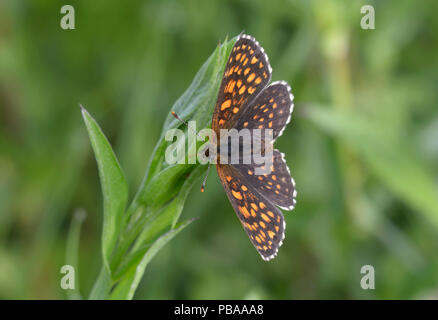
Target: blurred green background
<point>362,144</point>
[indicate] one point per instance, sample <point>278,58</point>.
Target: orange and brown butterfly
<point>245,100</point>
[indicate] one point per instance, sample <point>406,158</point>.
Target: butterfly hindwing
<point>278,186</point>
<point>262,221</point>
<point>247,72</point>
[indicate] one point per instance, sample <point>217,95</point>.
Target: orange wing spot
<point>274,177</point>
<point>244,188</point>
<point>262,224</point>
<point>254,206</point>
<point>258,239</point>
<point>247,70</point>
<point>245,62</point>
<point>262,119</point>
<point>277,192</point>
<point>272,169</point>
<point>230,86</point>
<point>271,234</point>
<point>245,123</point>
<point>271,100</point>
<point>270,213</point>
<point>253,213</point>
<point>278,219</point>
<point>262,234</point>
<point>254,60</point>
<point>243,57</point>
<point>248,226</point>
<point>277,228</point>
<point>260,178</point>
<point>228,178</point>
<point>251,77</point>
<point>251,90</point>
<point>265,217</point>
<point>250,172</point>
<point>235,110</point>
<point>243,46</point>
<point>244,211</point>
<point>262,205</point>
<point>255,117</point>
<point>239,83</point>
<point>261,126</point>
<point>226,104</point>
<point>242,90</point>
<point>261,65</point>
<point>230,60</point>
<point>251,51</point>
<point>237,195</point>
<point>271,115</point>
<point>238,56</point>
<point>221,121</point>
<point>265,248</point>
<point>278,186</point>
<point>239,72</point>
<point>270,124</point>
<point>258,80</point>
<point>265,75</point>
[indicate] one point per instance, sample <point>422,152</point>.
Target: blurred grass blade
<point>72,250</point>
<point>114,187</point>
<point>390,157</point>
<point>126,288</point>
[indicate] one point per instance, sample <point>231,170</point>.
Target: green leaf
<point>114,187</point>
<point>102,286</point>
<point>197,104</point>
<point>159,223</point>
<point>127,287</point>
<point>390,158</point>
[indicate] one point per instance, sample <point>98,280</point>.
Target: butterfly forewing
<point>262,221</point>
<point>247,72</point>
<point>270,110</point>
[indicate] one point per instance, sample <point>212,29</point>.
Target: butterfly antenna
<point>185,122</point>
<point>205,178</point>
<point>178,118</point>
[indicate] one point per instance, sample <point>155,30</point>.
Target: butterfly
<point>245,100</point>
